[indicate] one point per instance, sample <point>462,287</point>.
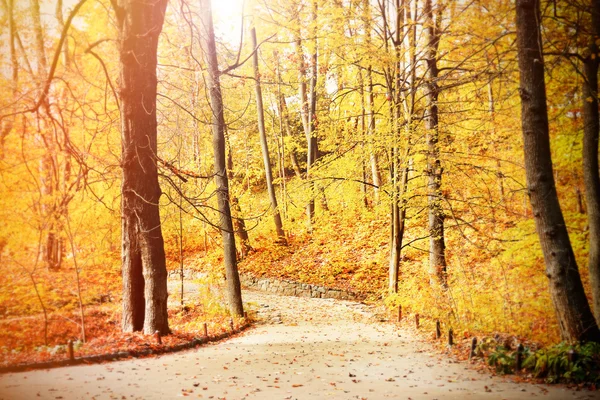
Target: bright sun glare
<point>227,16</point>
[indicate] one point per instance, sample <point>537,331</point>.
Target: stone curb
<point>291,288</point>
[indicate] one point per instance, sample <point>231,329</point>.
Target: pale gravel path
<point>302,349</point>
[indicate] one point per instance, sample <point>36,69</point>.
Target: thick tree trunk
<point>575,318</point>
<point>264,146</point>
<point>437,246</point>
<point>218,129</point>
<point>591,128</point>
<point>144,267</point>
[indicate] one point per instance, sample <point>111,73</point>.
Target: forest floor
<point>300,348</point>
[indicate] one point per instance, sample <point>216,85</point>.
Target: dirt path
<point>301,349</point>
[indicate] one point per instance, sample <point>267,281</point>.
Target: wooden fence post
<point>399,313</point>
<point>450,337</point>
<point>519,358</point>
<point>157,337</point>
<point>231,324</point>
<point>571,356</point>
<point>205,330</point>
<point>438,332</point>
<point>473,347</point>
<point>70,350</point>
<point>417,320</point>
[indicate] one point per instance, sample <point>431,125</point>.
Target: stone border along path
<point>301,348</point>
<point>291,288</point>
<point>273,285</point>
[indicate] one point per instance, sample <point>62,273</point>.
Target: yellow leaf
<point>589,99</point>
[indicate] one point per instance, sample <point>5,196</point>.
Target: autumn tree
<point>437,246</point>
<point>49,169</point>
<point>591,130</point>
<point>263,142</point>
<point>144,266</point>
<point>576,320</point>
<point>220,167</point>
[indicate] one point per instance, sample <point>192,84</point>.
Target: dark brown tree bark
<point>218,129</point>
<point>573,312</point>
<point>144,268</point>
<point>591,129</point>
<point>437,246</point>
<point>263,144</point>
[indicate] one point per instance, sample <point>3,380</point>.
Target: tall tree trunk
<point>61,24</point>
<point>302,83</point>
<point>373,159</point>
<point>575,318</point>
<point>591,128</point>
<point>306,123</point>
<point>218,130</point>
<point>399,167</point>
<point>437,246</point>
<point>39,40</point>
<point>285,123</point>
<point>144,267</point>
<point>48,167</point>
<point>263,144</point>
<point>311,137</point>
<point>363,131</point>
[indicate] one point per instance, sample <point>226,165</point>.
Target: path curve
<point>301,348</point>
